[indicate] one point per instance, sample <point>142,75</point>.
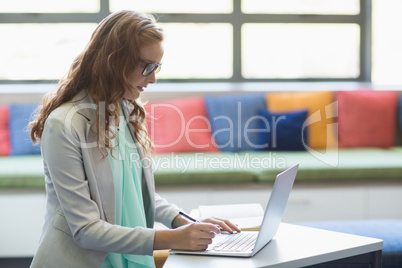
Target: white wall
<point>306,202</point>
<point>22,211</point>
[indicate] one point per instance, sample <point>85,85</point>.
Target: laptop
<point>248,243</point>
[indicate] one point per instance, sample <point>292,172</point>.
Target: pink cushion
<point>180,125</point>
<point>367,118</point>
<point>4,131</point>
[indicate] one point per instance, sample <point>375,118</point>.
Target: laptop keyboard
<point>241,242</point>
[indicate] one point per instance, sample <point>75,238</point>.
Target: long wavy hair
<point>103,69</point>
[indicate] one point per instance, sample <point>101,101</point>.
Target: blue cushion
<point>233,120</point>
<point>283,131</point>
<point>20,140</point>
<point>389,230</point>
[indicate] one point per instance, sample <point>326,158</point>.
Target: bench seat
<point>353,165</point>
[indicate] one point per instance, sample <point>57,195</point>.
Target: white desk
<point>295,246</point>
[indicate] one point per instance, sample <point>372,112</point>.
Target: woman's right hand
<point>192,236</point>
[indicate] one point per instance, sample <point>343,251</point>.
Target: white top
<point>293,246</point>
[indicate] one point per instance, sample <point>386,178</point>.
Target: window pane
<point>197,50</point>
<point>387,42</point>
<point>300,51</point>
<point>40,51</point>
<point>174,6</point>
<point>301,6</point>
<point>49,6</point>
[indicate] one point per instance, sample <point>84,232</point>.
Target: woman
<point>101,204</point>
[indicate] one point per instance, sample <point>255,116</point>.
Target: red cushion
<point>180,125</point>
<point>4,131</point>
<point>367,118</point>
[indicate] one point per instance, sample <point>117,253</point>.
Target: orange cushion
<point>367,118</point>
<point>180,125</point>
<point>321,132</point>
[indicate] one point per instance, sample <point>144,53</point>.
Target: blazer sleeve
<point>165,212</point>
<point>65,167</point>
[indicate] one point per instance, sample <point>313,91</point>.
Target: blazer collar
<point>103,171</point>
<point>97,165</point>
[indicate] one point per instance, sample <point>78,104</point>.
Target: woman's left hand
<point>224,225</point>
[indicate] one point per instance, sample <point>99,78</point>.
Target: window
<point>174,6</point>
<point>41,51</point>
<point>387,42</point>
<point>47,6</point>
<point>205,52</point>
<point>216,40</point>
<point>340,7</point>
<point>296,51</point>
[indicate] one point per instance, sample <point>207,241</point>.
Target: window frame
<point>236,19</point>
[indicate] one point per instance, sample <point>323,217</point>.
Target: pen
<point>188,217</point>
<point>194,220</point>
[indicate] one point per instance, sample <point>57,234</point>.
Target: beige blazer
<point>80,217</point>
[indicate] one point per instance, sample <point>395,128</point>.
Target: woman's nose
<point>151,78</point>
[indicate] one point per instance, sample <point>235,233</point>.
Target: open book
<point>246,216</point>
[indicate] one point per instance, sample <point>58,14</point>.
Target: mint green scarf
<point>127,173</point>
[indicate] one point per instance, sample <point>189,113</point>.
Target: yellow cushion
<point>321,133</point>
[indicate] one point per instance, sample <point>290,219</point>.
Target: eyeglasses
<point>150,67</point>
